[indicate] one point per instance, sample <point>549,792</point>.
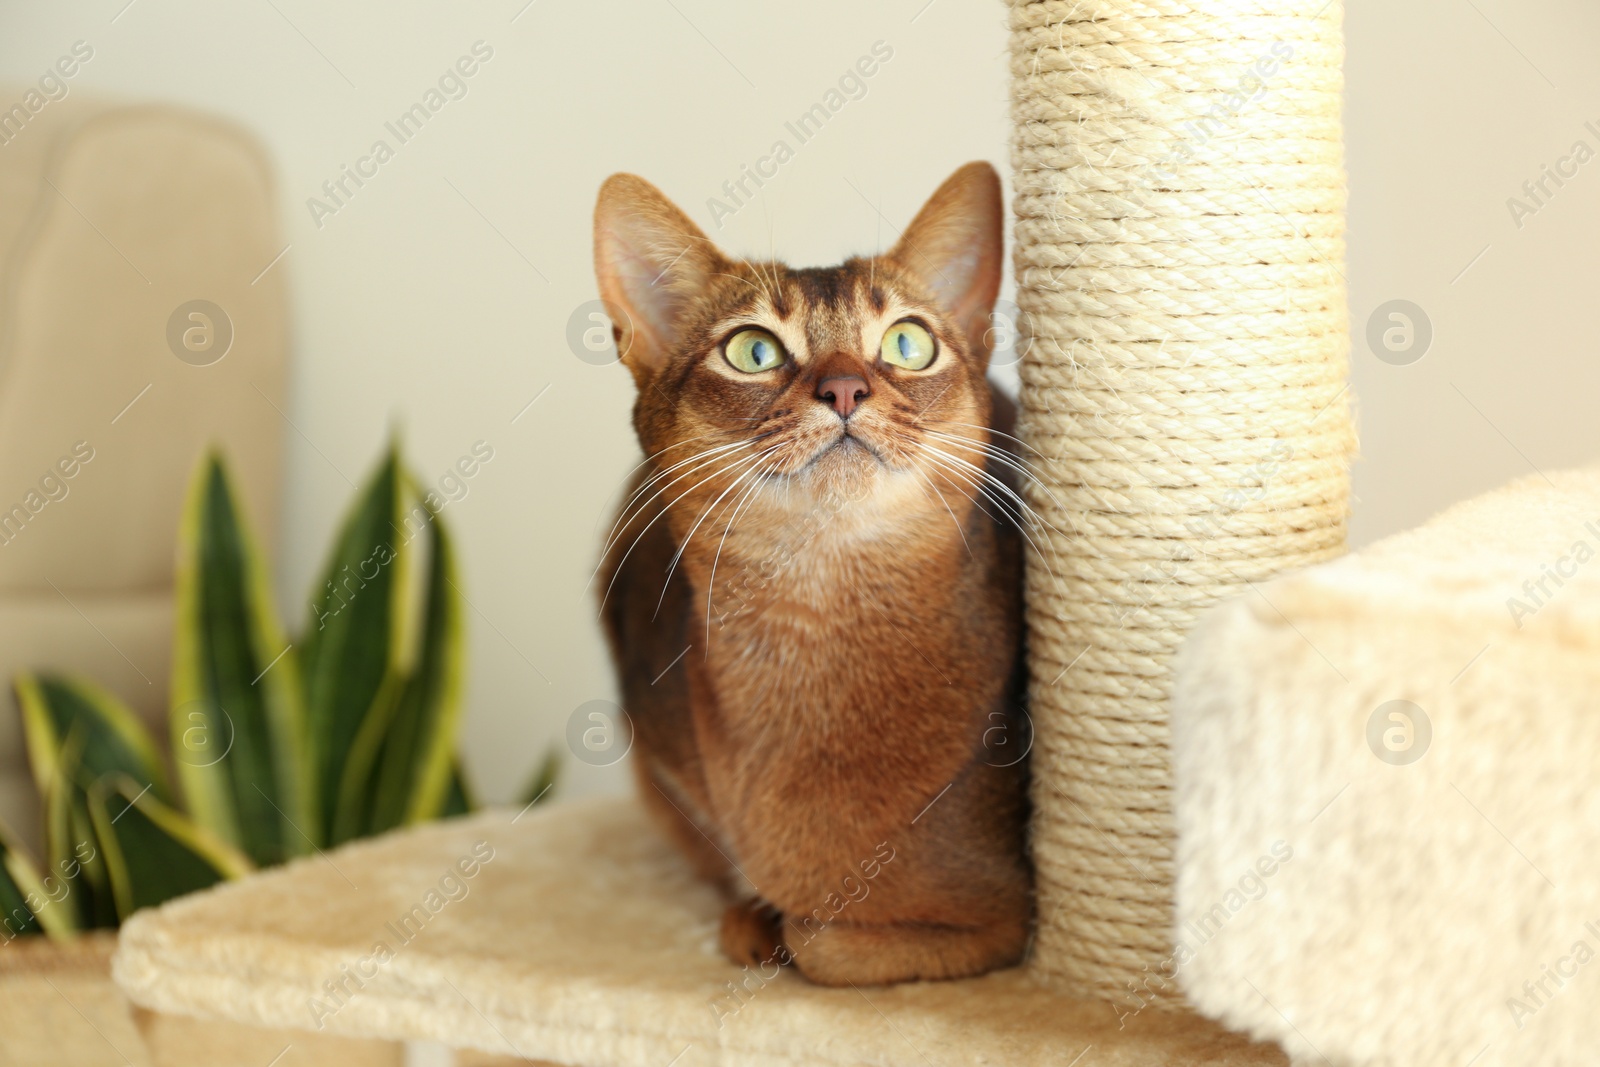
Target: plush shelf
<point>575,934</point>
<point>1387,815</point>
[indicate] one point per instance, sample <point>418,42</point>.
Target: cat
<point>813,594</point>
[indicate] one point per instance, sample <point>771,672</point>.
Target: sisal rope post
<point>1179,193</point>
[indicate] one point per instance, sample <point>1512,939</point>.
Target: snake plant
<point>281,746</point>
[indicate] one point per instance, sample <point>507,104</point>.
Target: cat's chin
<point>847,461</point>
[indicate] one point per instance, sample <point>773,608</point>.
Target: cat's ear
<point>953,248</point>
<point>651,262</point>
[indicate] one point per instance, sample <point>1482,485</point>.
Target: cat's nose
<point>843,393</point>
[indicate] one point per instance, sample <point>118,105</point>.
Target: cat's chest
<point>818,657</point>
<point>799,708</point>
<point>814,573</point>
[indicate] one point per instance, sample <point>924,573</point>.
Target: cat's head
<point>867,377</point>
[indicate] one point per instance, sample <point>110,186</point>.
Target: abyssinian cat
<point>813,590</point>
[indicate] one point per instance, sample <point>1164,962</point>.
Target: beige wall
<point>438,297</point>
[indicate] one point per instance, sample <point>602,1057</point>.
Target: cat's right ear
<point>651,262</point>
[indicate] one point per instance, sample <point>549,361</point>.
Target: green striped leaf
<point>70,841</point>
<point>416,762</point>
<point>25,906</point>
<point>460,799</point>
<point>50,897</point>
<point>111,735</point>
<point>152,852</point>
<point>238,723</point>
<point>543,783</point>
<point>76,858</point>
<point>77,732</point>
<point>356,646</point>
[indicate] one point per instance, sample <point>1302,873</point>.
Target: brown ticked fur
<point>825,688</point>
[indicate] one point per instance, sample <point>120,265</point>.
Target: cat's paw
<point>752,933</point>
<point>844,953</point>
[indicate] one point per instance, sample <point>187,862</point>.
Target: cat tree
<point>1179,197</point>
<point>1179,193</point>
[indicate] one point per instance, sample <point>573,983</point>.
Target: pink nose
<point>843,393</point>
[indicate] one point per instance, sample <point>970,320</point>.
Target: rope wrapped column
<point>1180,212</point>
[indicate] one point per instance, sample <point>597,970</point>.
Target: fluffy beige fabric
<point>182,1041</point>
<point>582,939</point>
<point>1441,902</point>
<point>57,1005</point>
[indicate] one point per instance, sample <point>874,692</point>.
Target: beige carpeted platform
<point>583,939</point>
<point>1418,727</point>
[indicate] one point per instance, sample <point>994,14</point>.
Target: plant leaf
<point>111,736</point>
<point>25,907</point>
<point>543,782</point>
<point>152,852</point>
<point>238,723</point>
<point>460,799</point>
<point>355,647</point>
<point>75,733</point>
<point>412,778</point>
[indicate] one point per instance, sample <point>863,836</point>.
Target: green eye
<point>753,351</point>
<point>908,345</point>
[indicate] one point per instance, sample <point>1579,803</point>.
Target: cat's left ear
<point>651,262</point>
<point>953,248</point>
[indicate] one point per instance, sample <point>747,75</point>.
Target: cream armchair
<point>114,223</point>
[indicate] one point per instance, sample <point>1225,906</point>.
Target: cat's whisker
<point>1000,456</point>
<point>1012,505</point>
<point>775,284</point>
<point>974,501</point>
<point>959,531</point>
<point>994,452</point>
<point>689,537</point>
<point>989,429</point>
<point>1009,491</point>
<point>626,478</point>
<point>640,536</point>
<point>1026,518</point>
<point>626,519</point>
<point>989,504</point>
<point>739,504</point>
<point>1019,521</point>
<point>664,451</point>
<point>623,508</point>
<point>695,459</point>
<point>764,289</point>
